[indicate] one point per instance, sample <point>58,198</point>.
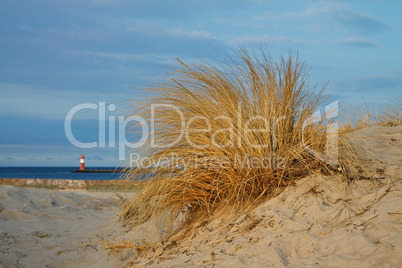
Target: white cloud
<point>190,34</point>
<point>358,42</point>
<point>147,27</point>
<point>153,58</point>
<point>269,40</point>
<point>315,18</point>
<point>262,39</point>
<point>337,16</point>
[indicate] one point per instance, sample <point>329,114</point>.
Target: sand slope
<point>385,147</point>
<point>302,228</point>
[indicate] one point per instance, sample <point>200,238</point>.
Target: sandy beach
<point>328,226</point>
<point>49,228</point>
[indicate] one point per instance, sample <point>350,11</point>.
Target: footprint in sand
<point>40,234</point>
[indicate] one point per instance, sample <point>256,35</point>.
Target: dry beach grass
<point>251,107</point>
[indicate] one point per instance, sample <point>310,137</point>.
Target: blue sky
<point>58,54</point>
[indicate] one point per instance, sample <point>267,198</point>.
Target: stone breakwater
<point>60,184</point>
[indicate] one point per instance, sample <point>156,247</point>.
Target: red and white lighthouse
<point>82,162</point>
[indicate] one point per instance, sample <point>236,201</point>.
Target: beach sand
<point>49,228</point>
<point>328,226</point>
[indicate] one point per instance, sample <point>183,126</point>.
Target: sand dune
<point>328,226</point>
<point>302,228</point>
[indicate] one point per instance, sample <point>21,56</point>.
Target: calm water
<point>54,173</point>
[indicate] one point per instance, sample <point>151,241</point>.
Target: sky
<point>96,54</point>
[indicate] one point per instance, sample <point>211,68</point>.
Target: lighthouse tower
<point>82,162</point>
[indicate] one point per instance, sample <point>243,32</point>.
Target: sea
<point>55,173</point>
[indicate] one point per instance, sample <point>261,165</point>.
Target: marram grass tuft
<point>229,133</point>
